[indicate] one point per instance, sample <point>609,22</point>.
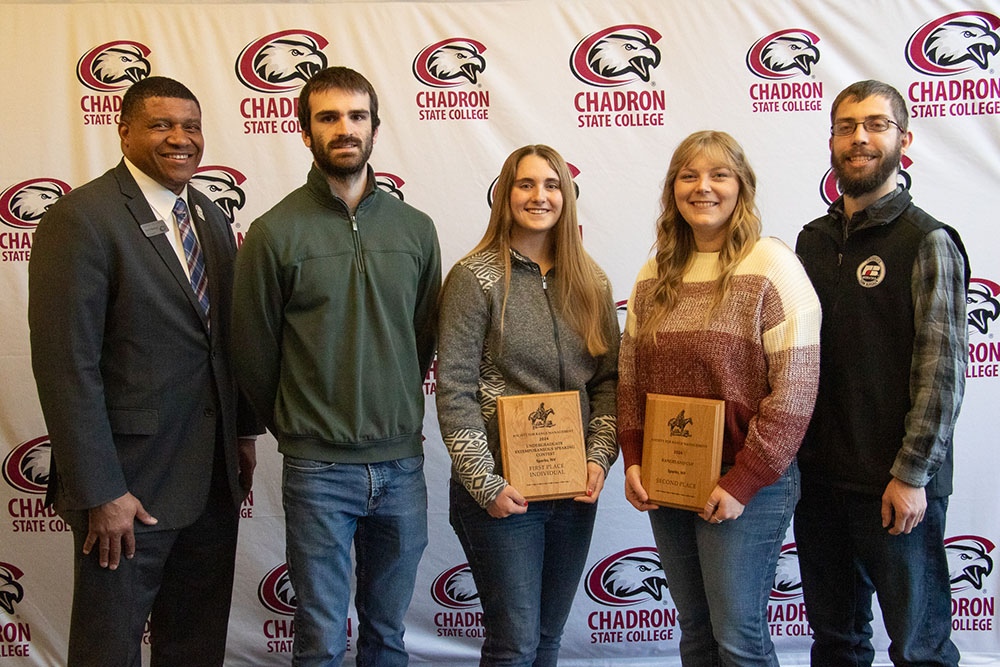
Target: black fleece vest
<point>866,347</point>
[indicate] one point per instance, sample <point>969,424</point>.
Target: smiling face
<point>866,162</point>
<point>706,192</point>
<point>164,140</point>
<point>340,132</point>
<point>536,199</point>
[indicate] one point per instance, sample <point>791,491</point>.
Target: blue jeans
<point>382,508</point>
<point>720,575</point>
<point>845,555</point>
<point>527,569</point>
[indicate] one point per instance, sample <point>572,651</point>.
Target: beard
<point>342,167</point>
<point>857,186</point>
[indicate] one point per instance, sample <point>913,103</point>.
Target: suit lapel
<point>142,213</point>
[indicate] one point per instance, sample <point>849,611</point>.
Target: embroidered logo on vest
<point>871,272</point>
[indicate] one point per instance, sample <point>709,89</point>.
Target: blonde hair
<point>578,279</point>
<point>675,244</point>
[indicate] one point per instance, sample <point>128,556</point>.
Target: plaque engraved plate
<point>542,444</point>
<point>682,449</point>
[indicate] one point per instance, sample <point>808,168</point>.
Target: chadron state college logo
<point>275,591</point>
<point>222,185</point>
<point>612,57</point>
<point>782,55</point>
<point>616,56</point>
<point>15,636</point>
<point>829,188</point>
<point>626,578</point>
<point>970,563</point>
<point>983,310</point>
<point>390,183</point>
<point>113,66</point>
<point>449,64</point>
<point>954,44</point>
<point>282,61</point>
<point>26,467</point>
<point>455,588</point>
<point>787,580</point>
<point>22,205</point>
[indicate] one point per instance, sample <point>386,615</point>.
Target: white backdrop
<point>764,70</point>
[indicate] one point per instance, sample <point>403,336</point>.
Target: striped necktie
<point>192,251</point>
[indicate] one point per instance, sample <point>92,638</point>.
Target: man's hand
<point>246,452</point>
<point>510,501</point>
<point>111,525</point>
<point>634,493</point>
<point>595,482</point>
<point>903,507</point>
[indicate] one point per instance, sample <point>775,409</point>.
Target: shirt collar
<point>159,198</point>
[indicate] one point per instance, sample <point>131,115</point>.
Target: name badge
<point>154,228</point>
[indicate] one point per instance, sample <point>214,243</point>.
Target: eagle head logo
<point>390,183</point>
<point>621,309</point>
<point>455,588</point>
<point>113,66</point>
<point>10,591</point>
<point>450,62</point>
<point>616,56</point>
<point>954,43</point>
<point>969,562</point>
<point>627,578</point>
<point>783,54</point>
<point>282,61</point>
<point>983,304</point>
<point>787,581</point>
<point>26,467</point>
<point>275,591</point>
<point>829,188</point>
<point>23,205</point>
<point>222,186</point>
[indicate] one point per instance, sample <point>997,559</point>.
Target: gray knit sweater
<point>539,352</point>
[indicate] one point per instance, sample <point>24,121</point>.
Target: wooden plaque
<point>682,449</point>
<point>542,445</point>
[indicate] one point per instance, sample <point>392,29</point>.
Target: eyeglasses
<point>843,128</point>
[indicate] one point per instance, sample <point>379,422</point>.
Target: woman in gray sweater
<point>526,312</point>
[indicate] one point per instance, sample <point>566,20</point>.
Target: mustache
<point>345,142</point>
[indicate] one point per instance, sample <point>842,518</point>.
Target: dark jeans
<point>527,569</point>
<point>845,555</point>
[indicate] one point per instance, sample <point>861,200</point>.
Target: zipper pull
<point>354,223</point>
<point>840,258</point>
<point>544,284</point>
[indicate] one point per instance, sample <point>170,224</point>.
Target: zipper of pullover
<point>358,257</point>
<point>555,332</point>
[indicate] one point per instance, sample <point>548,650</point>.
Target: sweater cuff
<point>747,476</point>
<point>631,444</point>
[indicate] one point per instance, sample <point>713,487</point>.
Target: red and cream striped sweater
<point>759,352</point>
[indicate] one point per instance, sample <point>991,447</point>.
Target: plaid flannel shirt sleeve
<point>937,370</point>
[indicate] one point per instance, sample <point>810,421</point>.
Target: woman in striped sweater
<point>721,313</point>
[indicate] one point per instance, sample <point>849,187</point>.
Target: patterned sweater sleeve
<point>790,322</point>
<point>464,323</point>
<point>602,431</point>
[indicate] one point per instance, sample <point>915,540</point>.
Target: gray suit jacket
<point>135,388</point>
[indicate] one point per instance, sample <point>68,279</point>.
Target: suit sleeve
<point>258,306</point>
<point>69,288</point>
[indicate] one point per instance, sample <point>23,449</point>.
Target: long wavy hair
<point>675,243</point>
<point>578,279</point>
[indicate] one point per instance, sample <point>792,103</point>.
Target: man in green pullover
<point>334,310</point>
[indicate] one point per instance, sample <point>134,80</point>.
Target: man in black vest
<point>877,460</point>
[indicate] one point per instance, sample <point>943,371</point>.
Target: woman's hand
<point>508,502</point>
<point>595,482</point>
<point>634,493</point>
<point>721,507</point>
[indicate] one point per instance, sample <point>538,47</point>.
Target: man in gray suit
<point>129,306</point>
